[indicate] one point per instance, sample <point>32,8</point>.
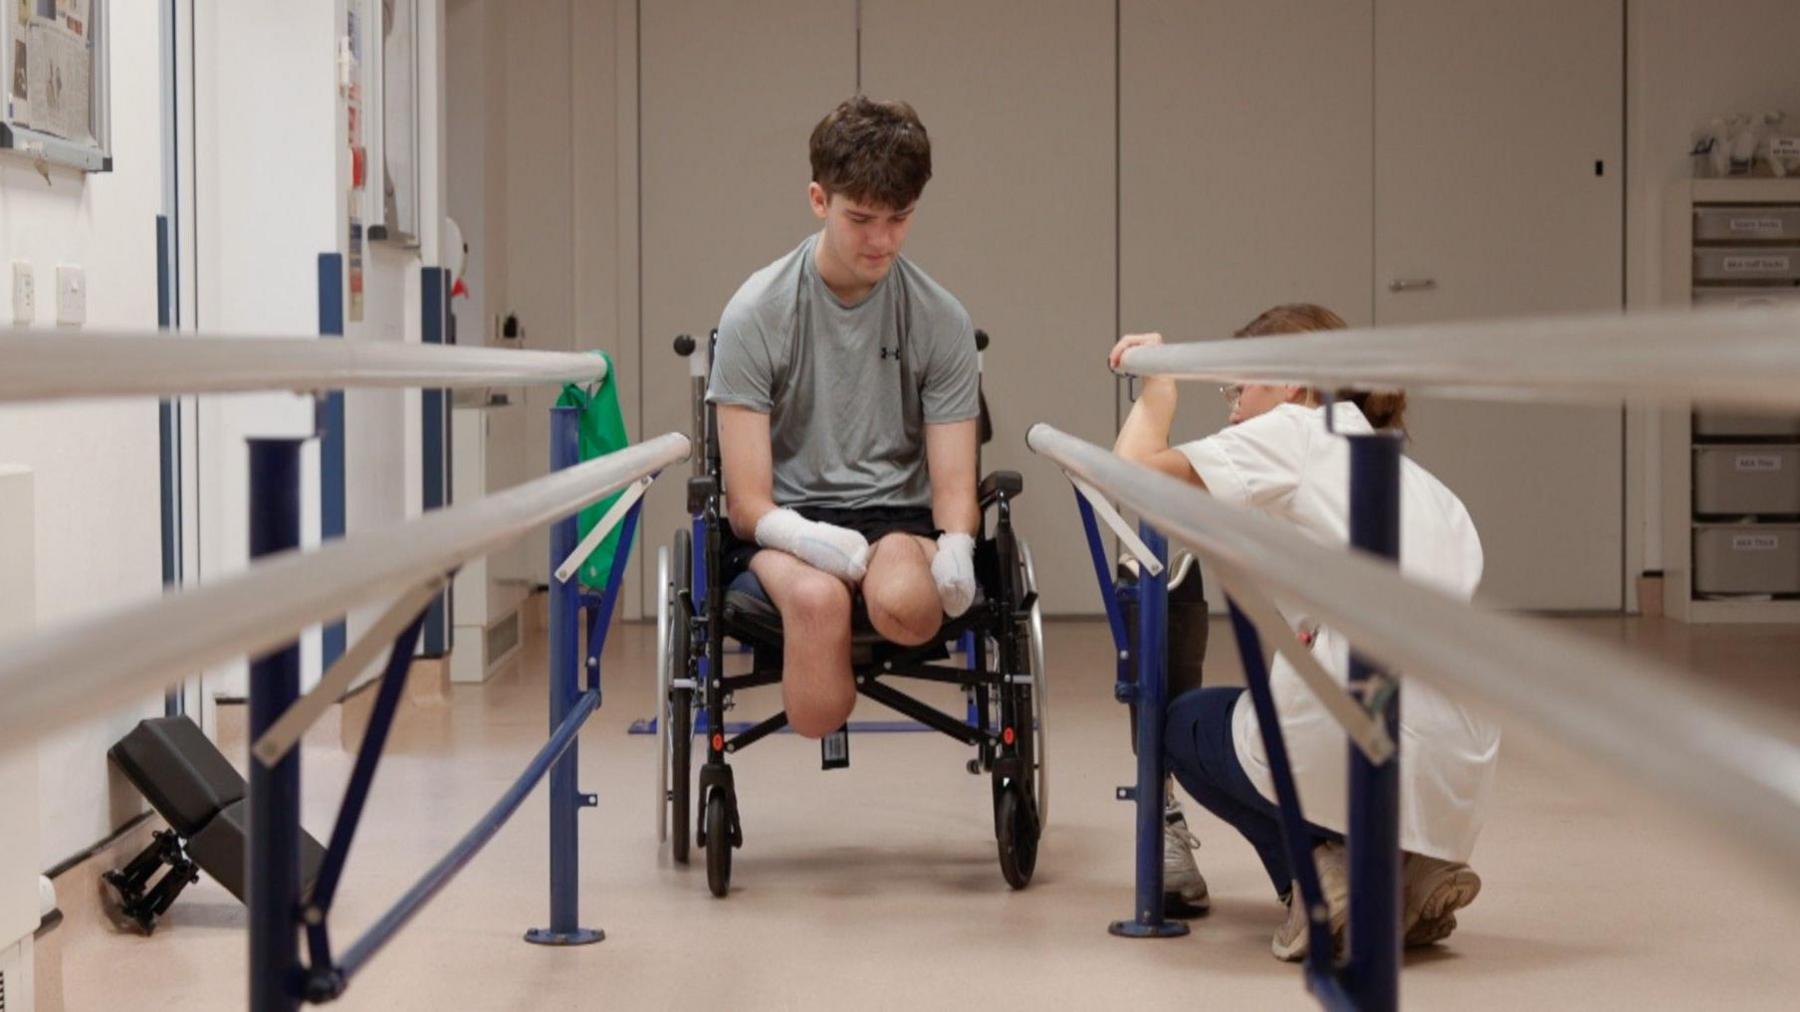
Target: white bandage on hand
<point>826,547</point>
<point>953,570</point>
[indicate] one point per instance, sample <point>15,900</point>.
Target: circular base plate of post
<point>1135,929</point>
<point>580,936</point>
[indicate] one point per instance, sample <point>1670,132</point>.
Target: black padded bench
<point>191,785</point>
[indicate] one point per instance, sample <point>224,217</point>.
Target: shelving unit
<point>1731,481</point>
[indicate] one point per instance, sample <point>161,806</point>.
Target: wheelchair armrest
<point>1007,484</point>
<point>699,491</point>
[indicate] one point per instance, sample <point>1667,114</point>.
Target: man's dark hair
<point>872,152</point>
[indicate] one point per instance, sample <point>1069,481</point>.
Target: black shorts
<point>872,522</point>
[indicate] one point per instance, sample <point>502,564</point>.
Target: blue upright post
<point>272,867</point>
<point>1372,973</point>
<point>169,439</point>
<point>565,688</point>
<point>1151,691</point>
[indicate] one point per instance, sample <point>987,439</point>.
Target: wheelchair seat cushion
<point>180,772</point>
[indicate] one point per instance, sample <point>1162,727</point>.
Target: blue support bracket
<point>356,795</point>
<point>1147,920</point>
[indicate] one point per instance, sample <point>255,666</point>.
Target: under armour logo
<point>893,353</point>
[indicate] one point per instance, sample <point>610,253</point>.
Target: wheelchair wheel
<point>663,664</point>
<point>718,844</point>
<point>1040,696</point>
<point>678,703</point>
<point>1016,819</point>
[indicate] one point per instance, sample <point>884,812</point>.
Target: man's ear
<point>820,200</point>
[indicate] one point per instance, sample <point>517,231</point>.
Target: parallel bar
<point>331,687</point>
<point>1372,975</point>
<point>1654,724</point>
<point>72,670</point>
<point>440,874</point>
<point>40,365</point>
<point>565,689</point>
<point>272,864</point>
<point>1724,356</point>
<point>1151,693</point>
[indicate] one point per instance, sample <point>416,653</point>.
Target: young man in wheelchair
<point>846,385</point>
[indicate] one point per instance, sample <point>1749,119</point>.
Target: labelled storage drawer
<point>1746,559</point>
<point>1746,480</point>
<point>1744,223</point>
<point>1749,298</point>
<point>1747,263</point>
<point>1737,425</point>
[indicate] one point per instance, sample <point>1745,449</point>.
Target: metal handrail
<point>1648,721</point>
<point>38,365</point>
<point>64,673</point>
<point>1726,357</point>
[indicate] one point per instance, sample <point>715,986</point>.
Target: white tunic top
<point>1285,463</point>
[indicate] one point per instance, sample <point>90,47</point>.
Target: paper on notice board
<point>57,83</point>
<point>75,14</point>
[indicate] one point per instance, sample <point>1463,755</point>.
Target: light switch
<point>24,295</point>
<point>71,295</point>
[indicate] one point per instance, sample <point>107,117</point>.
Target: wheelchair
<point>1002,671</point>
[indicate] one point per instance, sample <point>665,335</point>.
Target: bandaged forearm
<point>826,547</point>
<point>953,570</point>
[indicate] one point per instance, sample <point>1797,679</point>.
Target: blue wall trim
<point>331,436</point>
<point>434,313</point>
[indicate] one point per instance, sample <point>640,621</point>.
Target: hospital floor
<point>878,886</point>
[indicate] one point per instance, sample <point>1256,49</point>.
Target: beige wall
<point>1019,222</point>
<point>1246,174</point>
<point>1689,61</point>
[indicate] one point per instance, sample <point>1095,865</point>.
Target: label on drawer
<point>1755,542</point>
<point>1756,226</point>
<point>1758,462</point>
<point>1763,264</point>
<point>1784,147</point>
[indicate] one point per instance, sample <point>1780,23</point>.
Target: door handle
<point>1412,284</point>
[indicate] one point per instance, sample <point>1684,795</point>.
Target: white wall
<point>97,534</point>
<point>19,862</point>
<point>273,181</point>
<point>539,176</point>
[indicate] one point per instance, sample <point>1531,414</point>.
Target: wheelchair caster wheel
<point>718,844</point>
<point>1016,819</point>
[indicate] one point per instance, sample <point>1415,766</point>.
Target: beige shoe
<point>1433,891</point>
<point>1290,942</point>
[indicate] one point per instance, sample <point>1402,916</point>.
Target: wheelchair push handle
<point>684,345</point>
<point>981,339</point>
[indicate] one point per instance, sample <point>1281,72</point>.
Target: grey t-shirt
<point>848,389</point>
